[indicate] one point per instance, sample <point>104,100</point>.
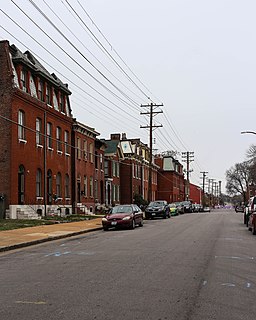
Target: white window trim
<point>22,141</point>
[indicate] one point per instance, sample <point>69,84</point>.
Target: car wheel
<point>141,223</point>
<point>244,218</point>
<point>133,224</point>
<point>105,228</point>
<point>254,230</point>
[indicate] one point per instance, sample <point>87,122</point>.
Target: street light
<point>252,132</point>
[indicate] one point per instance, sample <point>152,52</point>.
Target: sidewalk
<point>18,238</point>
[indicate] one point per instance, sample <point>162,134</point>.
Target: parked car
<point>239,208</point>
<point>252,223</point>
<point>174,211</point>
<point>180,207</point>
<point>201,208</point>
<point>157,208</point>
<point>123,216</point>
<point>207,209</point>
<point>187,206</point>
<point>196,207</point>
<point>249,209</point>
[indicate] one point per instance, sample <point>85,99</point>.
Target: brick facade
<point>195,193</point>
<point>170,178</point>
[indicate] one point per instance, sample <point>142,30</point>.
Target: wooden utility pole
<point>187,157</point>
<point>204,175</point>
<point>151,113</point>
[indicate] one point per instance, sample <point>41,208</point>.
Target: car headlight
<point>104,219</point>
<point>127,218</point>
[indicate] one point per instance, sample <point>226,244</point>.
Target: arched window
<point>49,187</point>
<point>67,195</point>
<point>39,183</point>
<point>21,185</point>
<point>58,185</point>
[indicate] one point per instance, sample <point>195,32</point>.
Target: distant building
<point>170,177</point>
<point>195,193</point>
<point>134,168</point>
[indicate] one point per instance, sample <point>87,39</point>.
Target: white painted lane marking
<point>58,254</point>
<point>228,284</point>
<point>31,302</point>
<point>233,257</point>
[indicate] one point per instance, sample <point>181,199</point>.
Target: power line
<point>72,72</point>
<point>105,50</point>
<point>74,60</point>
<point>78,39</point>
<point>113,49</point>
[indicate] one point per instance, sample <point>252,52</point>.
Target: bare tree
<point>251,156</point>
<point>238,179</point>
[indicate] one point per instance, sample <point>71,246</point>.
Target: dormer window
<point>41,90</point>
<point>23,80</point>
<point>55,100</point>
<point>47,95</point>
<point>62,107</point>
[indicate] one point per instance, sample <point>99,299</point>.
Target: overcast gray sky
<point>197,57</point>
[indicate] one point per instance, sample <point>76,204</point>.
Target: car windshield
<point>121,209</point>
<point>156,203</point>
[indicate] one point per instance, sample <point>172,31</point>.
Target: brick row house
<point>112,161</point>
<point>87,168</point>
<point>53,164</point>
<point>171,183</point>
<point>35,134</point>
<point>41,143</point>
<point>134,170</point>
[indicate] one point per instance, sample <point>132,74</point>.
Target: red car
<point>123,216</point>
<point>252,223</point>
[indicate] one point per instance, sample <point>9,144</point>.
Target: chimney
<point>124,136</point>
<point>115,136</point>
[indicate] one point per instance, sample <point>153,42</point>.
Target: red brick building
<point>132,158</point>
<point>171,186</point>
<point>113,158</point>
<point>35,135</point>
<point>195,193</point>
<point>87,168</point>
<point>135,171</point>
<point>50,163</point>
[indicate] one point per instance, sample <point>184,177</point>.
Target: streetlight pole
<point>251,132</point>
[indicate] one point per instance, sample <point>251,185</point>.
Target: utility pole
<point>204,175</point>
<point>187,157</point>
<point>220,191</point>
<point>151,113</point>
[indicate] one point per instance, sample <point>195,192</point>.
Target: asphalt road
<point>194,266</point>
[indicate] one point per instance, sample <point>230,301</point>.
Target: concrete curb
<point>39,241</point>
